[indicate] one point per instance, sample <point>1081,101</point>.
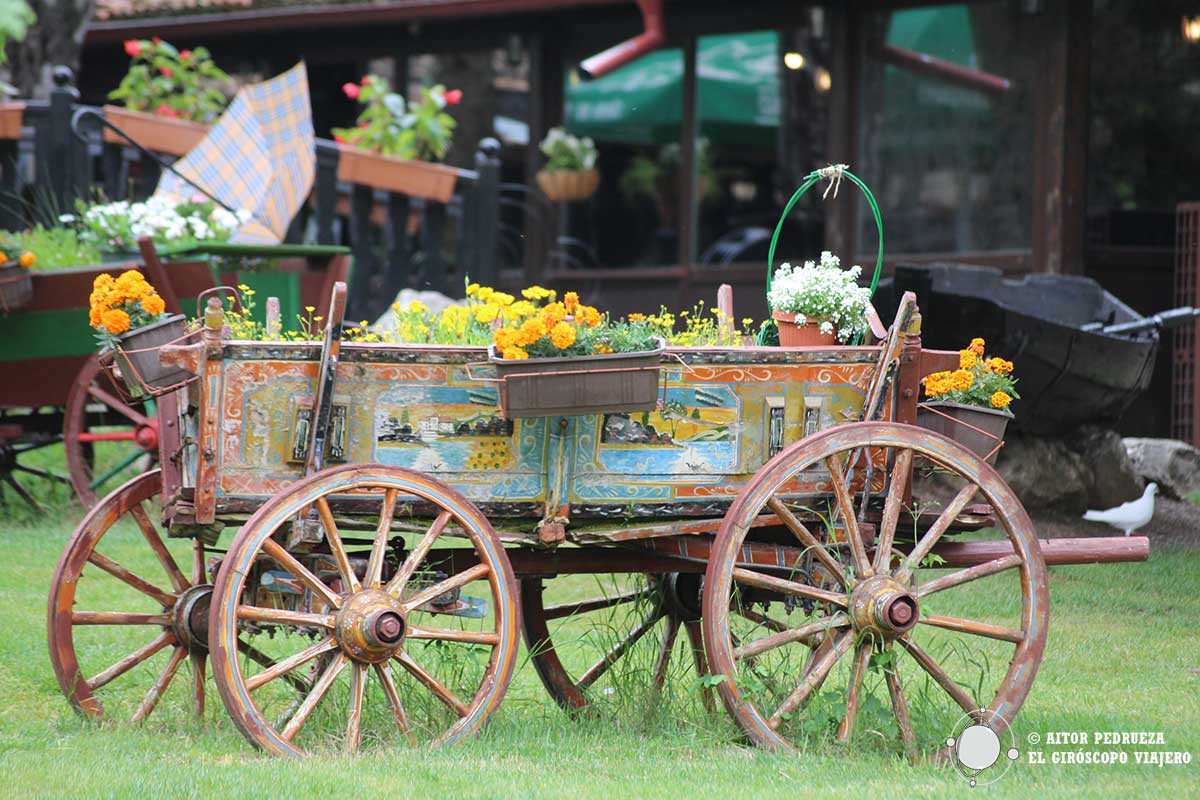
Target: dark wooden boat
<point>1071,372</point>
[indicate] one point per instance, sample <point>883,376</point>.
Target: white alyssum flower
<point>120,224</point>
<point>825,292</point>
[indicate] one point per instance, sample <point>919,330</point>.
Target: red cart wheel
<point>96,412</point>
<point>903,646</point>
<point>388,605</point>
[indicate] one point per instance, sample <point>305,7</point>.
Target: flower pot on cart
<point>16,287</point>
<point>568,185</point>
<point>578,385</point>
<point>980,430</point>
<point>797,330</point>
<point>137,357</point>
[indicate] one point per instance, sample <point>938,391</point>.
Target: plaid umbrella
<point>258,157</point>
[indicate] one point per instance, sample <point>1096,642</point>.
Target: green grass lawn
<point>1123,655</point>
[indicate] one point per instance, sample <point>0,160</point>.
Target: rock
<point>1088,469</point>
<point>1114,478</point>
<point>1172,464</point>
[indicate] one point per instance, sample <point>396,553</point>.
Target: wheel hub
<point>883,605</point>
<point>146,436</point>
<point>371,626</point>
<point>189,617</point>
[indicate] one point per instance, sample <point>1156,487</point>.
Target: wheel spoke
<point>942,678</point>
<point>940,526</point>
<point>160,686</point>
<point>116,470</point>
<point>670,632</point>
<point>358,682</point>
<point>595,604</point>
<point>862,655</point>
<point>23,493</point>
<point>384,671</point>
<point>418,554</point>
<point>900,708</point>
<point>141,584</point>
<point>42,473</point>
<point>600,667</point>
<point>976,628</point>
<point>286,560</point>
<point>198,668</point>
<point>774,584</point>
<point>320,688</point>
<point>433,684</point>
<point>375,565</point>
<point>122,408</point>
<point>862,567</point>
<point>130,661</point>
<point>336,547</point>
<point>199,572</point>
<point>450,635</point>
<point>806,537</point>
<point>892,507</point>
<point>969,574</point>
<point>448,585</point>
<point>281,616</point>
<point>178,581</point>
<point>118,618</point>
<point>805,633</point>
<point>761,619</point>
<point>813,678</point>
<point>277,668</point>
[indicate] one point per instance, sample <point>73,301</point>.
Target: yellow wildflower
<point>472,289</point>
<point>484,294</point>
<point>486,313</point>
<point>519,310</point>
<point>416,307</point>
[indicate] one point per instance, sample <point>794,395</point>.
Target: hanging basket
<point>980,430</point>
<point>136,357</point>
<point>568,185</point>
<point>576,386</point>
<point>16,287</point>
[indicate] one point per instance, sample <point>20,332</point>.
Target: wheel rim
<point>384,660</point>
<point>104,581</point>
<point>863,625</point>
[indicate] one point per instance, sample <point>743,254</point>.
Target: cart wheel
<point>387,604</point>
<point>97,413</point>
<point>624,624</point>
<point>823,654</point>
<point>133,594</point>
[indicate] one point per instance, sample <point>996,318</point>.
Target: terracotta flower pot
<point>16,287</point>
<point>571,185</point>
<point>980,430</point>
<point>794,334</point>
<point>137,356</point>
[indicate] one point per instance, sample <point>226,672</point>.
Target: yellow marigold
<point>115,321</point>
<point>562,335</point>
<point>502,298</point>
<point>588,315</point>
<point>472,289</point>
<point>416,307</point>
<point>514,353</point>
<point>976,346</point>
<point>554,313</point>
<point>999,366</point>
<point>603,349</point>
<point>636,317</point>
<point>536,293</point>
<point>967,359</point>
<point>484,293</point>
<point>937,383</point>
<point>520,310</point>
<point>153,304</point>
<point>571,301</point>
<point>27,260</point>
<point>961,379</point>
<point>486,313</point>
<point>1001,400</point>
<point>532,329</point>
<point>505,338</point>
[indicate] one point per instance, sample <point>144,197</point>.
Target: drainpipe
<point>651,38</point>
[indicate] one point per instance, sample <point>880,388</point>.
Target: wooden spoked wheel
<point>875,633</point>
<point>128,608</point>
<point>97,417</point>
<point>617,634</point>
<point>400,640</point>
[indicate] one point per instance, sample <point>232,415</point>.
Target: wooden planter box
<point>576,386</point>
<point>154,132</point>
<point>980,430</point>
<point>16,287</point>
<point>403,176</point>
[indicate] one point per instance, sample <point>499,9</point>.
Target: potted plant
<point>131,322</point>
<point>565,358</point>
<point>970,404</point>
<point>16,283</point>
<point>570,172</point>
<point>818,303</point>
<point>398,144</point>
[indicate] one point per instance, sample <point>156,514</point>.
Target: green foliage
<point>15,18</point>
<point>174,83</point>
<point>644,175</point>
<point>388,125</point>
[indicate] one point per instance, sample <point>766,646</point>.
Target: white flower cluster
<point>119,225</point>
<point>823,291</point>
<point>565,151</point>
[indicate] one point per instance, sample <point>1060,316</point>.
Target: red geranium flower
<point>166,72</point>
<point>132,48</point>
<point>165,110</point>
<point>184,55</point>
<point>156,40</point>
<point>454,97</point>
<point>366,81</point>
<point>351,90</point>
<point>339,139</point>
<point>363,124</point>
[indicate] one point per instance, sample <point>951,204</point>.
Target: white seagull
<point>1128,516</point>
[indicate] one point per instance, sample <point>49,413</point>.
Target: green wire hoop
<point>769,332</point>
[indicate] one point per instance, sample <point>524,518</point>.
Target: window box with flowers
<point>131,322</point>
<point>819,303</point>
<point>397,145</point>
<point>971,404</point>
<point>570,173</point>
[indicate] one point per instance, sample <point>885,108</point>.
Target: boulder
<point>1114,479</point>
<point>1172,464</point>
<point>1087,469</point>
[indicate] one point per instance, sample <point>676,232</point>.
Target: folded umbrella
<point>258,158</point>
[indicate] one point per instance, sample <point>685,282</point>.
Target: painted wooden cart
<point>834,569</point>
<point>56,389</point>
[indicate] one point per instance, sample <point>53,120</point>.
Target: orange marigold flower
<point>588,315</point>
<point>27,260</point>
<point>532,329</point>
<point>999,366</point>
<point>967,359</point>
<point>505,338</point>
<point>961,379</point>
<point>115,321</point>
<point>571,301</point>
<point>514,353</point>
<point>562,335</point>
<point>1001,400</point>
<point>976,346</point>
<point>636,317</point>
<point>153,304</point>
<point>94,316</point>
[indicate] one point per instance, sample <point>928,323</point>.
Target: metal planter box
<point>576,386</point>
<point>138,357</point>
<point>980,430</point>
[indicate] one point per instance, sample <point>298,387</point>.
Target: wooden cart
<point>833,568</point>
<point>56,389</point>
